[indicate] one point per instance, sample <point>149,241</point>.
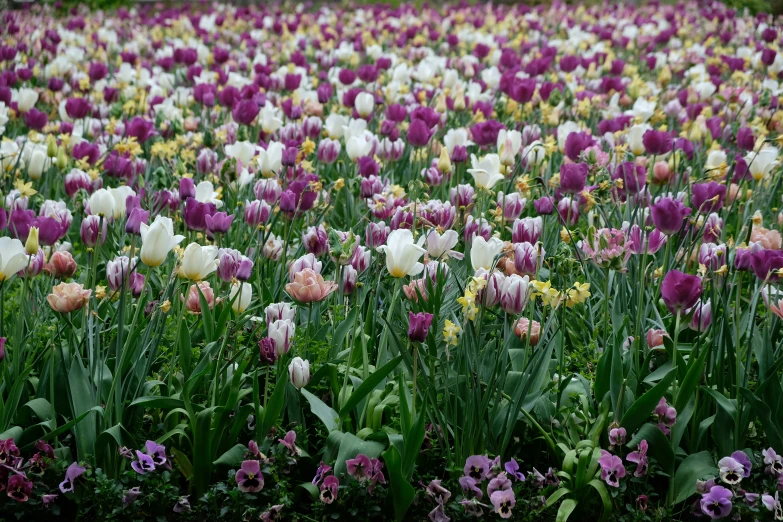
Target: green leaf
<point>557,495</point>
<point>606,500</point>
<point>401,489</point>
<point>206,317</point>
<point>185,354</point>
<point>413,440</point>
<point>368,385</point>
<point>183,463</point>
<point>659,446</point>
<point>350,446</point>
<point>311,489</point>
<point>727,405</point>
<point>82,400</point>
<point>112,438</point>
<point>642,407</point>
<point>771,425</point>
<point>566,508</point>
<point>691,380</point>
<point>232,457</point>
<point>327,415</point>
<point>695,467</point>
<point>274,407</point>
<point>40,408</point>
<point>202,451</point>
<point>602,375</point>
<point>158,401</point>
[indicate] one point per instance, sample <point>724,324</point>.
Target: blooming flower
<point>249,478</point>
<point>716,503</point>
<point>612,469</point>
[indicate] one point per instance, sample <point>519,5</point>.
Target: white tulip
<point>8,151</point>
<point>760,164</point>
<point>3,117</point>
<point>270,119</point>
<point>509,143</point>
<point>102,203</point>
<point>26,99</point>
<point>643,109</point>
<point>157,240</point>
<point>13,257</point>
<point>486,172</point>
<point>357,147</point>
<point>456,138</point>
<point>535,153</point>
<point>334,125</point>
<point>634,137</point>
<point>241,151</point>
<point>402,254</point>
<point>714,159</point>
<point>120,196</point>
<point>198,262</point>
<point>205,193</point>
<point>483,252</point>
<point>281,332</point>
<point>563,131</point>
<point>270,161</point>
<point>38,162</point>
<point>299,371</point>
<point>240,303</point>
<point>439,244</point>
<point>364,104</point>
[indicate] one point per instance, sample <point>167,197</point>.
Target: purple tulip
<point>657,142</point>
<point>708,197</point>
<point>668,214</point>
<point>766,264</point>
<point>187,188</point>
<point>195,214</point>
<point>575,143</point>
<point>573,177</point>
<point>634,176</point>
<point>89,231</point>
<point>316,241</point>
<point>35,119</point>
<point>745,138</point>
<point>419,134</point>
<point>136,218</point>
<point>50,230</point>
<point>140,128</point>
<point>376,233</point>
<point>681,291</point>
<point>77,108</point>
<point>544,206</point>
<point>419,326</point>
<point>245,112</point>
<point>218,223</point>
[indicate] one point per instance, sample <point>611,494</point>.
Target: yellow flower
<point>658,272</point>
<point>165,306</point>
<point>451,333</point>
<point>339,184</point>
<point>308,146</point>
<point>477,284</point>
<point>552,297</point>
<point>579,293</point>
<point>565,235</point>
<point>25,189</point>
<point>468,302</point>
<point>100,292</point>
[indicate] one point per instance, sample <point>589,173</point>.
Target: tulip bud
<point>2,348</point>
<point>31,245</point>
<point>51,146</point>
<point>240,296</point>
<point>62,159</point>
<point>281,332</point>
<point>444,161</point>
<point>299,371</point>
<point>419,326</point>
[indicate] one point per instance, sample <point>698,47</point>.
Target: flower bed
<point>377,263</point>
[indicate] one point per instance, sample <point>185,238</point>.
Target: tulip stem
<point>415,375</point>
<point>266,388</point>
<point>674,356</point>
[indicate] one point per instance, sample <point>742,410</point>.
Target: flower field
<point>391,263</point>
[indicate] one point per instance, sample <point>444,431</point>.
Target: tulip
<point>575,143</point>
<point>702,316</point>
<point>526,258</point>
<point>198,262</point>
<point>218,223</point>
<point>376,234</point>
<point>309,286</point>
<point>102,203</point>
<point>668,214</point>
<point>680,291</point>
<point>761,164</point>
<point>419,133</point>
<point>527,229</point>
<point>299,371</point>
<point>68,297</point>
<point>525,328</point>
<point>135,219</point>
<point>193,300</point>
<point>316,241</point>
<point>278,311</point>
<point>440,244</point>
<point>240,296</point>
<point>514,294</point>
<point>257,212</point>
<point>657,143</point>
<point>61,265</point>
<point>26,99</point>
<point>350,277</point>
<point>766,264</point>
<point>31,245</point>
<point>157,240</point>
<point>402,254</point>
<point>187,188</point>
<point>90,231</point>
<point>245,111</point>
<point>573,177</point>
<point>306,261</point>
<point>419,326</point>
<point>483,252</point>
<point>708,197</point>
<point>512,205</point>
<point>117,271</point>
<point>486,173</point>
<point>364,104</point>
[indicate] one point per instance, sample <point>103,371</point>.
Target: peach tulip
<point>193,301</point>
<point>308,286</point>
<point>769,239</point>
<point>523,327</point>
<point>68,297</point>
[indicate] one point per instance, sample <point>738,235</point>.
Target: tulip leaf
<point>695,467</point>
<point>642,407</point>
<point>368,385</point>
<point>400,487</point>
<point>232,457</point>
<point>327,415</point>
<point>351,446</point>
